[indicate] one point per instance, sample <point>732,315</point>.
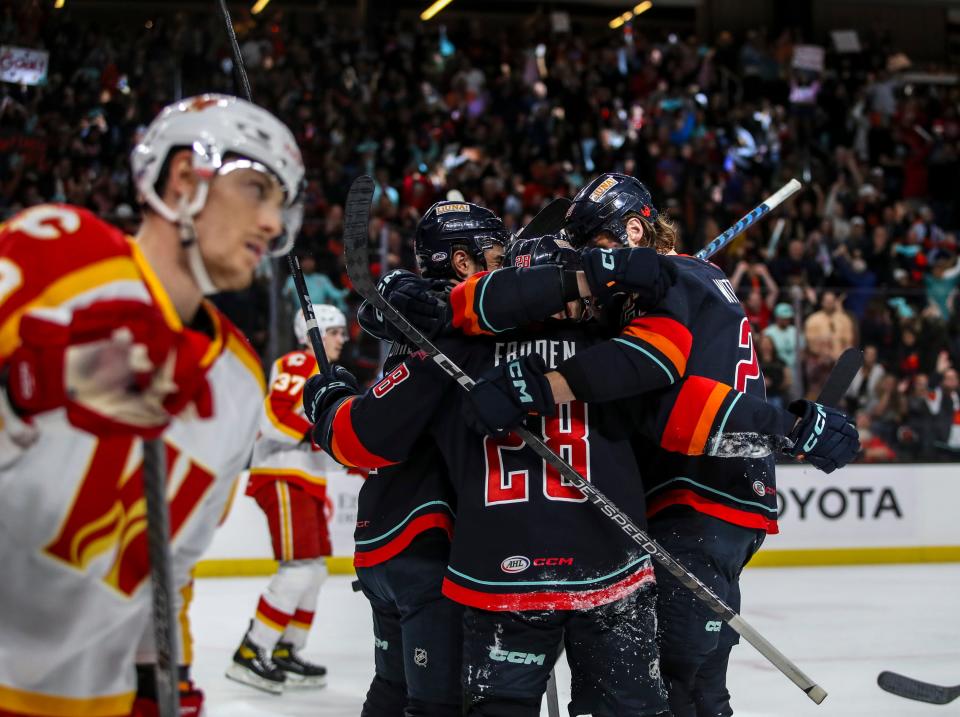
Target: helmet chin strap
<point>188,240</point>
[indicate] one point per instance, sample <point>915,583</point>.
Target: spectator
<point>874,448</point>
<point>916,436</point>
<point>775,374</point>
<point>319,286</point>
<point>830,330</point>
<point>944,402</point>
<point>762,292</point>
<point>864,384</point>
<point>783,333</point>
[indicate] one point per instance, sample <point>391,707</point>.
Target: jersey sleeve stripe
<point>346,445</point>
<point>100,274</point>
<point>671,375</point>
<point>723,512</point>
<point>420,524</point>
<point>693,415</point>
<point>462,301</point>
<point>673,330</point>
<point>295,428</point>
<point>663,344</point>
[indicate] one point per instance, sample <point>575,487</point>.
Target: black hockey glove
<point>322,391</point>
<point>642,272</point>
<point>504,396</point>
<point>824,436</point>
<point>420,302</point>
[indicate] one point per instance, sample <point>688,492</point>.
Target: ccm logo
<point>400,374</point>
<point>553,561</point>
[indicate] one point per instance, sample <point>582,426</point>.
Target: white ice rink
<point>841,625</point>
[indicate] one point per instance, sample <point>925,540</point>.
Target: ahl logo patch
<point>515,564</point>
<point>605,186</point>
<point>447,208</point>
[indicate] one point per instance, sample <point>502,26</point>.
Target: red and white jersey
<point>76,596</point>
<point>284,450</point>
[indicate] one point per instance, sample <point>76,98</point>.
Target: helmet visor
<point>291,213</point>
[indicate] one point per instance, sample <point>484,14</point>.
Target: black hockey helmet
<point>604,205</point>
<point>538,251</point>
<point>447,226</point>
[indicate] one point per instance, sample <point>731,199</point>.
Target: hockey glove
<point>322,391</point>
<point>824,436</point>
<point>641,272</point>
<point>504,396</point>
<point>116,366</point>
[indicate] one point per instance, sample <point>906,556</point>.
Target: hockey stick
<point>749,219</point>
<point>548,220</point>
<point>306,305</point>
<point>912,689</point>
<point>757,445</point>
<point>357,258</point>
<point>162,593</point>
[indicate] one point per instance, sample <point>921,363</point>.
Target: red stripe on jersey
<point>547,600</point>
<point>347,447</point>
<point>693,414</point>
<point>706,506</point>
<point>273,614</point>
<point>671,329</point>
<point>396,546</point>
<point>462,301</point>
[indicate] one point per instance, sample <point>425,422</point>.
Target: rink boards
<point>905,513</point>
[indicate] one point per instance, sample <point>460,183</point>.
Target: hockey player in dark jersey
<point>534,565</point>
<point>710,513</point>
<point>405,511</point>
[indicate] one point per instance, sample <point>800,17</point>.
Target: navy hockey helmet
<point>448,226</point>
<point>604,205</point>
<point>548,249</point>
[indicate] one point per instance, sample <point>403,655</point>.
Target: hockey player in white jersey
<point>288,479</point>
<point>104,340</point>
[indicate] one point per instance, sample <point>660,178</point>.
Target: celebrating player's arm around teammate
<point>107,340</point>
<point>288,479</point>
<point>610,221</point>
<point>534,569</point>
<point>405,510</point>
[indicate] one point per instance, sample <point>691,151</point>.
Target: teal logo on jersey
<point>713,625</point>
<point>516,373</point>
<point>818,427</point>
<point>607,259</point>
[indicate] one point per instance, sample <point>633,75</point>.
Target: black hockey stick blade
<point>840,378</point>
<point>548,220</point>
<point>903,686</point>
<point>756,445</point>
<point>356,246</point>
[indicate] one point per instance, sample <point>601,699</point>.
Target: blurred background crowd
<point>866,255</point>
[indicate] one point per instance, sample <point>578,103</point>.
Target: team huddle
<point>481,563</point>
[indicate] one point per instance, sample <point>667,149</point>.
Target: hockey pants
<point>694,644</point>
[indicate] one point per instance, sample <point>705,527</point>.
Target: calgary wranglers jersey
<point>523,540</point>
<point>281,452</point>
<point>72,519</point>
<point>721,354</point>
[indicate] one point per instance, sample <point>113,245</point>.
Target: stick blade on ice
<point>904,686</point>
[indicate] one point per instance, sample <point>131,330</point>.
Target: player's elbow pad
<point>611,371</point>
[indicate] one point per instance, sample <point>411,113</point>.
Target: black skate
<point>300,674</point>
<point>252,666</point>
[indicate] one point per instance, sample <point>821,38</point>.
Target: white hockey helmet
<point>328,317</point>
<point>213,126</point>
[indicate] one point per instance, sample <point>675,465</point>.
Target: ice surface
<point>841,625</point>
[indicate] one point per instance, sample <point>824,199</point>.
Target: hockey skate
<point>299,673</point>
<point>252,666</point>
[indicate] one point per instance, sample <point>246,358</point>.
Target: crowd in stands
<point>866,255</point>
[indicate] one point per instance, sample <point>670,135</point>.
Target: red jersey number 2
<point>747,368</point>
<point>566,433</point>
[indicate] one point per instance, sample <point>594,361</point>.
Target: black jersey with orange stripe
<point>523,540</point>
<point>720,358</point>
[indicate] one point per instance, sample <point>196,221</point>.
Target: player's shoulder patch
<point>236,342</point>
<point>299,362</point>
